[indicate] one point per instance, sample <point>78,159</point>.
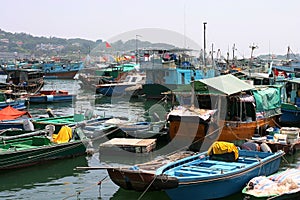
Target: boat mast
<point>233,49</point>
<point>204,24</point>
<point>288,54</point>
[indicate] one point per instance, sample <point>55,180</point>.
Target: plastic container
<point>291,132</point>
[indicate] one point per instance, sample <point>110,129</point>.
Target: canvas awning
<point>227,84</point>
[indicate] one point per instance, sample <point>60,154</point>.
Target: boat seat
<point>198,169</point>
<point>247,160</point>
<point>213,163</point>
<point>182,173</point>
<point>223,167</point>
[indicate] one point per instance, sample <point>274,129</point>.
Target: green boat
<point>25,151</point>
<point>70,120</point>
<point>113,71</point>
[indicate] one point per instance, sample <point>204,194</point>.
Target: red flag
<point>107,45</point>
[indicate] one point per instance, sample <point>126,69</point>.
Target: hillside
<point>25,45</point>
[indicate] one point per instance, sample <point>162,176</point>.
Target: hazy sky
<point>272,25</point>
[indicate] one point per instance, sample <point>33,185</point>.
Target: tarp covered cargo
<point>9,113</point>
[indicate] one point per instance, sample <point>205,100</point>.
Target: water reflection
<point>30,177</point>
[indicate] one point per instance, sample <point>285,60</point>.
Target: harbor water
<point>59,179</point>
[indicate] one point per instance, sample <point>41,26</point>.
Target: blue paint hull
<point>218,184</point>
<point>290,117</point>
<point>112,90</point>
<point>51,98</point>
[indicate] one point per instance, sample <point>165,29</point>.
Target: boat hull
<point>215,183</point>
<point>195,130</point>
<point>140,181</point>
<point>61,75</point>
<point>223,187</point>
<point>290,117</point>
<point>112,90</point>
<point>51,98</point>
<point>21,158</point>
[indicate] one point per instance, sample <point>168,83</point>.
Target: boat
<point>17,103</point>
<point>114,71</point>
<point>69,120</point>
<point>26,151</point>
<point>141,177</point>
<point>225,109</point>
<point>21,81</point>
<point>291,102</point>
<point>13,118</point>
<point>88,81</point>
<point>51,96</point>
<point>222,170</point>
<point>288,65</point>
<point>60,68</point>
<point>168,69</point>
<point>282,185</point>
<point>285,138</point>
<point>130,85</point>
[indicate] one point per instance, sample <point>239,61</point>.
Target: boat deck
<point>211,167</point>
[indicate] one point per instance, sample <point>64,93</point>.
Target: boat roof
<point>227,84</point>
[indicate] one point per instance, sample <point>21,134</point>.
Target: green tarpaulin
<point>267,98</point>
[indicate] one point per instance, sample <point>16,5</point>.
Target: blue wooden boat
<point>17,103</point>
<point>60,69</point>
<point>207,176</point>
<point>51,96</point>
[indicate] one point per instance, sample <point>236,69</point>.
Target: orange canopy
<point>11,113</point>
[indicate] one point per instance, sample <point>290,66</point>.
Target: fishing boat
<point>141,176</point>
<point>222,170</point>
<point>291,102</point>
<point>289,65</point>
<point>60,68</point>
<point>51,96</point>
<point>115,70</point>
<point>21,152</point>
<point>168,69</point>
<point>129,86</point>
<point>240,111</point>
<point>23,81</point>
<point>282,185</point>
